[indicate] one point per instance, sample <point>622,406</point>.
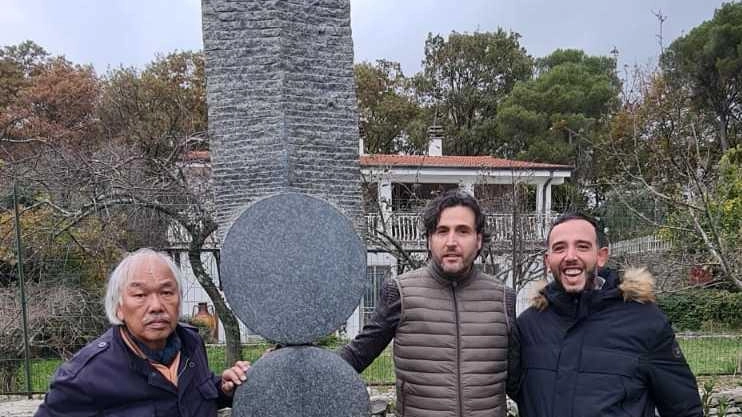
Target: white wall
<point>354,322</point>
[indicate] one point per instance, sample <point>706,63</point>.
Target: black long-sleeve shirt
<point>378,332</point>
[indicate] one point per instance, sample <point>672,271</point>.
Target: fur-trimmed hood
<point>637,284</point>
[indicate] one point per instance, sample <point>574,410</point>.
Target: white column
<point>540,219</point>
<point>353,324</point>
<point>384,194</point>
<point>539,198</point>
<point>547,199</point>
<point>544,212</point>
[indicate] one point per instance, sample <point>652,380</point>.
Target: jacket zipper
<point>458,350</point>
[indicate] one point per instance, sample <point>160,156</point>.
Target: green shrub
<point>703,309</point>
<point>331,341</point>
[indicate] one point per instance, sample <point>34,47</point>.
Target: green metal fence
<point>713,354</point>
<point>380,372</point>
<point>45,312</point>
<point>706,354</point>
<point>61,318</point>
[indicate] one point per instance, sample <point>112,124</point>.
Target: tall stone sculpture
<point>283,124</point>
<point>281,102</point>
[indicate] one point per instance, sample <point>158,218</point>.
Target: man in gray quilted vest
<point>449,322</point>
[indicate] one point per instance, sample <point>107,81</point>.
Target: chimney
<point>435,140</point>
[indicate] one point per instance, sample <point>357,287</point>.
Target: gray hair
<point>120,276</point>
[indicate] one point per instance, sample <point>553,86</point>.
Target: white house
<point>396,188</point>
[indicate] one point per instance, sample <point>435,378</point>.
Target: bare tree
<point>380,233</point>
<point>517,246</point>
<point>667,151</point>
<point>116,180</point>
<point>60,319</point>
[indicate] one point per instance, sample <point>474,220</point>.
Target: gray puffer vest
<point>450,349</point>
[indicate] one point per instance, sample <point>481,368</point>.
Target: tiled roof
<point>197,156</point>
<point>425,161</point>
<point>453,162</point>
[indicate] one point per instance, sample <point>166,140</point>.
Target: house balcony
<point>407,229</point>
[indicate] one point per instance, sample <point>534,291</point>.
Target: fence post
<point>24,314</point>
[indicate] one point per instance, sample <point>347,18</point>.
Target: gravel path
<point>26,408</point>
<point>15,407</point>
<point>19,408</point>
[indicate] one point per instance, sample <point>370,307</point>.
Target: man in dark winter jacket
<point>449,322</point>
<point>146,364</point>
<point>596,346</point>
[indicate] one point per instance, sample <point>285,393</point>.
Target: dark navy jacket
<point>106,379</point>
<point>595,354</point>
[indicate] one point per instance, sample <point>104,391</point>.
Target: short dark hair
<point>452,198</point>
<point>600,239</point>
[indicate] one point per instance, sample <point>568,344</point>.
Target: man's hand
<point>234,376</point>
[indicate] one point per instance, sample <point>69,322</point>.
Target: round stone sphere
<point>293,268</point>
<point>301,381</point>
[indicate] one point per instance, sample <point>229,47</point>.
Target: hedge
<point>703,309</point>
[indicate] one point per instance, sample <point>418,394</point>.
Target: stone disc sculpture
<point>293,268</point>
<point>299,382</point>
<point>283,125</point>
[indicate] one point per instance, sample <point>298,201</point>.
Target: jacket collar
<point>578,305</point>
<point>164,356</point>
<point>188,347</point>
<point>450,279</point>
<point>190,344</point>
<point>636,285</point>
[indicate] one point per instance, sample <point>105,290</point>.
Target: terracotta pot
<point>204,314</point>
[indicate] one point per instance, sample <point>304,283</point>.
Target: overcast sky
<point>109,33</point>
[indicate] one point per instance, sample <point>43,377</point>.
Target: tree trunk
<point>233,351</point>
<point>8,371</point>
<point>713,242</point>
<point>723,125</point>
<point>517,238</point>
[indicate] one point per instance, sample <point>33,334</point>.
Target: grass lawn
<point>217,362</point>
<point>712,355</point>
<point>41,373</point>
<point>706,356</point>
<point>381,371</point>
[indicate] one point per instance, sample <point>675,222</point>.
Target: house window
<point>375,275</point>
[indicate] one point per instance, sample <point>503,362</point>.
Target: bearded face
<point>573,254</point>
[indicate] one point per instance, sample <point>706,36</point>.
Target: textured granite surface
<point>281,103</point>
<point>293,268</point>
<point>301,382</point>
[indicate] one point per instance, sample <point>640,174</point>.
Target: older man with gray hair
<point>147,363</point>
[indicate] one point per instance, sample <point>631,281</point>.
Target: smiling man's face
<point>455,242</point>
<point>150,302</point>
<point>574,254</point>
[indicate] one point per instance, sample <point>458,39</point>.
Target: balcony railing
<point>644,244</point>
<point>407,228</point>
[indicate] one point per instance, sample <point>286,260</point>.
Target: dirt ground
<point>721,383</point>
